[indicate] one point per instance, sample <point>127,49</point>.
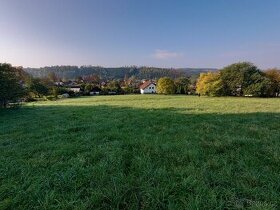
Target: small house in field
<point>148,87</point>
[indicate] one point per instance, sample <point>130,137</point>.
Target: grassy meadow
<point>141,152</point>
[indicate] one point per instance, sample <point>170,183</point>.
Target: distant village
<point>238,79</point>
<point>110,88</point>
<point>114,87</point>
<point>226,82</point>
<point>92,85</point>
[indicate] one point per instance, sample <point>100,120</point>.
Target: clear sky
<point>163,33</point>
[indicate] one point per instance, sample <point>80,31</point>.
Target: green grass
<point>141,152</point>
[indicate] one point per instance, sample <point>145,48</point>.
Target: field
<point>141,152</point>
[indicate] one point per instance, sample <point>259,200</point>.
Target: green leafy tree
<point>115,86</point>
<point>238,77</point>
<point>37,87</point>
<point>182,85</point>
<point>165,85</point>
<point>10,88</point>
<point>259,87</point>
<point>274,76</point>
<point>87,88</point>
<point>55,91</point>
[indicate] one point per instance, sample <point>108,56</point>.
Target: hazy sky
<point>173,33</point>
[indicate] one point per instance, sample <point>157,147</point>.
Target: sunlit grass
<point>141,152</point>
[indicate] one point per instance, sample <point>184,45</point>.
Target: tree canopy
<point>209,84</point>
<point>274,76</point>
<point>11,88</point>
<point>239,79</point>
<point>182,85</point>
<point>72,72</point>
<point>37,87</point>
<point>165,85</point>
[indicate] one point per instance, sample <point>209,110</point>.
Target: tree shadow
<point>131,158</point>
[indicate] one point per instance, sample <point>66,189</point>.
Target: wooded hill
<point>73,72</point>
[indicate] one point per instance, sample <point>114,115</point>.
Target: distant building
<point>59,83</point>
<point>148,87</point>
<point>92,93</point>
<point>75,89</point>
<point>95,91</point>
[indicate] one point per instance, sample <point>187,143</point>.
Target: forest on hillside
<point>73,72</point>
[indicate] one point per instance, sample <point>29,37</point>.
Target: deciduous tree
<point>209,84</point>
<point>182,85</point>
<point>165,85</point>
<point>237,77</point>
<point>10,87</point>
<point>274,76</point>
<point>37,87</point>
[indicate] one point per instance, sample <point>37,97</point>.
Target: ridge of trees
<point>73,72</point>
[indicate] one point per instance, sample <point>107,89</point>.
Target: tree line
<point>73,72</point>
<point>239,79</point>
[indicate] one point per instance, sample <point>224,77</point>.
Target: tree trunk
<point>3,103</point>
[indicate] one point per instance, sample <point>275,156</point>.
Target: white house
<point>75,89</point>
<point>148,87</point>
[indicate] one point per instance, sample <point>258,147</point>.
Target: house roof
<point>146,84</point>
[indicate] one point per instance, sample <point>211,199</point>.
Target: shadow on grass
<point>127,158</point>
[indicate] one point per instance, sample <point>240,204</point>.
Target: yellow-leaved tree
<point>209,84</point>
<point>165,85</point>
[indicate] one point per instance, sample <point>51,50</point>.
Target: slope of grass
<point>141,152</point>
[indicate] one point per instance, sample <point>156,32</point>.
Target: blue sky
<point>173,33</point>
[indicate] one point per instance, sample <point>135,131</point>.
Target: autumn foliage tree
<point>239,79</point>
<point>209,84</point>
<point>165,85</point>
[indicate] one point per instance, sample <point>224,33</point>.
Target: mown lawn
<point>141,152</point>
